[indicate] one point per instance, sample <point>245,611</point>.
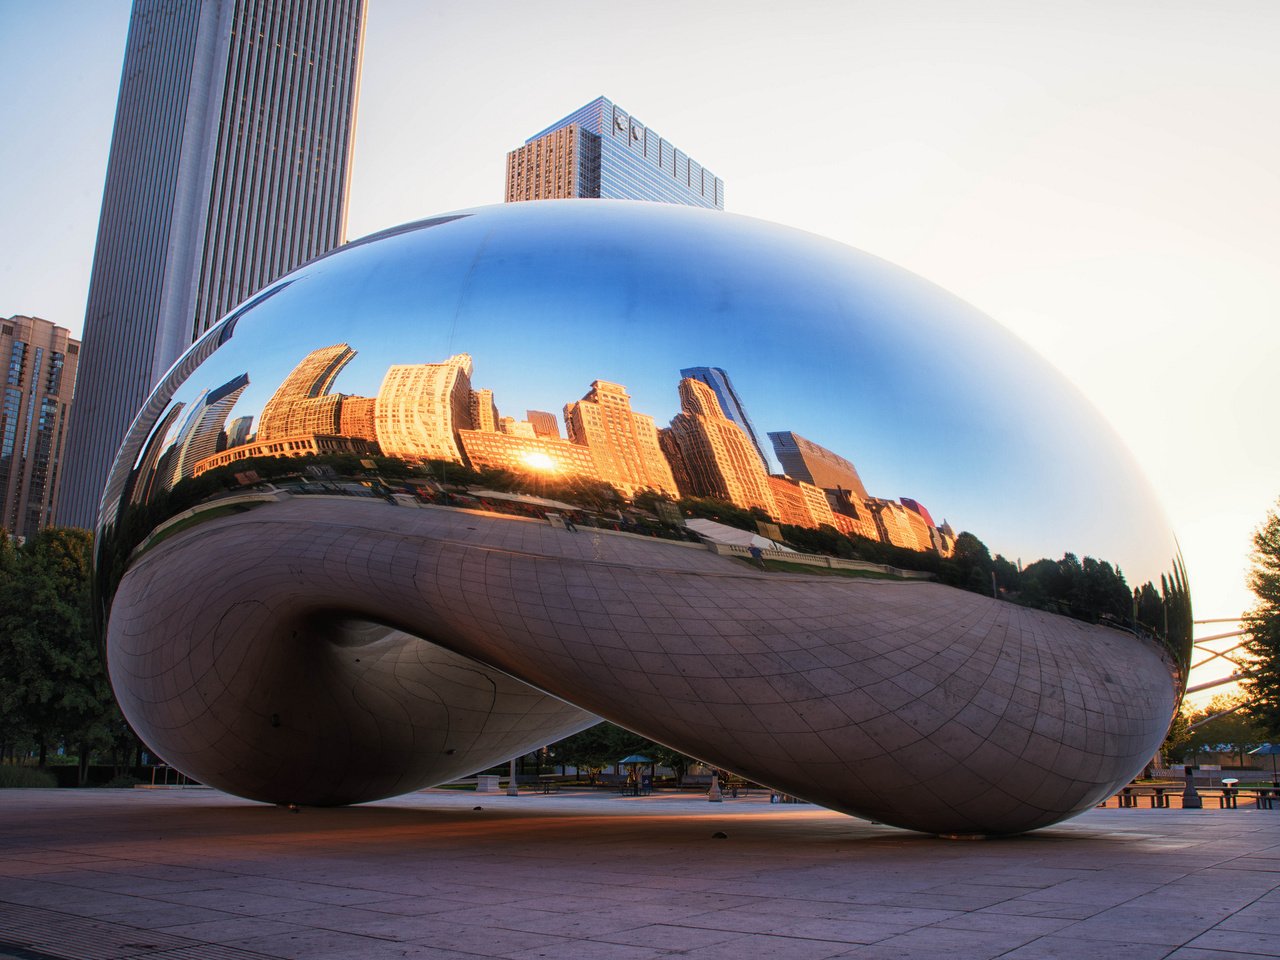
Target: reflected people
<point>847,537</point>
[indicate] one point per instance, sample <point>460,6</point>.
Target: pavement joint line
<point>797,868</point>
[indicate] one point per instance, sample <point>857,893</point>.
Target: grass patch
<point>786,566</point>
<point>13,775</point>
<point>204,516</point>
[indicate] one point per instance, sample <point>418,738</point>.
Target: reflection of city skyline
<point>435,412</point>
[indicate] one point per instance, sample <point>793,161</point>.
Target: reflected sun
<point>539,461</point>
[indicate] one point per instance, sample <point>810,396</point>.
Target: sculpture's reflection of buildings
<point>433,412</point>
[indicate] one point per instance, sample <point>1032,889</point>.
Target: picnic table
<point>1157,793</point>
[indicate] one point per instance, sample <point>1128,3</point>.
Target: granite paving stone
<point>186,874</point>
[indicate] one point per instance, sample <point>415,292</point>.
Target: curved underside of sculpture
<point>348,649</point>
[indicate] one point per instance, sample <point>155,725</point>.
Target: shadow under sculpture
<point>339,635</point>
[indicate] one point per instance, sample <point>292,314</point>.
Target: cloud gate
<point>462,488</point>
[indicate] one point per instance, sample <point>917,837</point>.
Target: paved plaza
<point>198,875</point>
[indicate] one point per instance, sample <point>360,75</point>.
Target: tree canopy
<point>53,688</point>
<point>1263,624</point>
<point>1222,726</point>
<point>605,744</point>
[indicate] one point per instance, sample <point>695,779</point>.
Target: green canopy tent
<point>1269,750</point>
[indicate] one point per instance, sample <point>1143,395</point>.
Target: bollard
<point>714,795</point>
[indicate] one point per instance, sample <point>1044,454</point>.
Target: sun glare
<point>539,461</point>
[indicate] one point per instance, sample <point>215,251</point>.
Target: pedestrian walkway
<point>448,875</point>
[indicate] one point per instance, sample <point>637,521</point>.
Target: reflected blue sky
<point>928,398</point>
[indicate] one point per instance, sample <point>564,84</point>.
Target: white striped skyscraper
<point>229,166</point>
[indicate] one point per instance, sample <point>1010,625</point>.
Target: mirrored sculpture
<point>461,488</point>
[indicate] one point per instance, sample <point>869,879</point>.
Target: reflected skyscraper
<point>544,423</point>
<point>358,418</point>
<point>624,443</point>
<point>200,433</point>
<point>715,451</point>
<point>228,167</point>
<point>302,404</point>
<point>524,453</point>
<point>730,403</point>
<point>807,461</point>
<point>894,522</point>
<point>801,504</point>
<point>422,406</point>
<point>484,412</point>
<point>601,151</point>
<point>239,431</point>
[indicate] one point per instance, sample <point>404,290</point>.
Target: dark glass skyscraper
<point>228,167</point>
<point>601,151</point>
<point>805,460</point>
<point>730,403</point>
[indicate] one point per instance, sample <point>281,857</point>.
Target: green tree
<point>13,732</point>
<point>1178,739</point>
<point>1222,726</point>
<point>55,689</point>
<point>970,565</point>
<point>720,511</point>
<point>1263,624</point>
<point>597,747</point>
<point>603,745</point>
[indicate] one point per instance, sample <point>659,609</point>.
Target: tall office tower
<point>201,432</point>
<point>801,504</point>
<point>516,428</point>
<point>239,431</point>
<point>526,453</point>
<point>805,460</point>
<point>852,519</point>
<point>484,412</point>
<point>302,403</point>
<point>544,423</point>
<point>719,458</point>
<point>894,522</point>
<point>919,529</point>
<point>675,460</point>
<point>730,403</point>
<point>228,167</point>
<point>922,523</point>
<point>38,384</point>
<point>919,508</point>
<point>357,418</point>
<point>601,151</point>
<point>624,444</point>
<point>422,406</point>
<point>152,472</point>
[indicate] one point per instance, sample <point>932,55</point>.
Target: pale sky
<point>1101,177</point>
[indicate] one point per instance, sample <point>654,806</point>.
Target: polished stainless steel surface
<point>420,506</point>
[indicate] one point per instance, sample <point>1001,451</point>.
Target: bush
<point>124,781</point>
<point>18,776</point>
